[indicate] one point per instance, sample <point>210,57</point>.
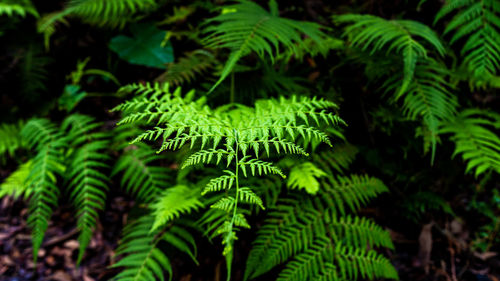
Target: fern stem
<point>229,260</point>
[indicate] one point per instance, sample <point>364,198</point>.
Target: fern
<point>87,188</point>
<point>140,177</point>
<point>295,228</point>
<point>143,259</point>
<point>247,27</point>
<point>17,7</point>
<point>10,139</point>
<point>476,23</point>
<point>336,160</point>
<point>187,68</point>
<point>303,176</point>
<point>103,13</point>
<point>272,126</point>
<point>405,38</point>
<point>475,139</point>
<point>173,202</point>
<point>16,184</point>
<point>47,165</point>
<point>428,98</point>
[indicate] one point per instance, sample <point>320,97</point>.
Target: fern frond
<point>259,166</point>
<point>336,160</point>
<point>246,195</point>
<point>295,228</point>
<point>144,261</point>
<point>107,12</point>
<point>87,188</point>
<point>205,156</point>
<point>141,177</point>
<point>357,262</point>
<point>476,23</point>
<point>428,98</point>
<point>350,192</point>
<point>47,165</point>
<point>475,139</point>
<point>16,184</point>
<point>173,202</point>
<point>303,176</point>
<point>250,28</point>
<point>223,182</point>
<point>80,129</point>
<point>400,37</point>
<point>10,139</point>
<point>187,68</point>
<point>17,7</point>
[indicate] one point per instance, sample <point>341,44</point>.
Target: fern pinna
<point>238,143</point>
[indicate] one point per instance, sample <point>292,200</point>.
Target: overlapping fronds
<point>236,139</point>
<point>295,228</point>
<point>349,193</point>
<point>406,38</point>
<point>475,133</point>
<point>88,185</point>
<point>143,258</point>
<point>141,177</point>
<point>174,202</point>
<point>187,68</point>
<point>47,165</point>
<point>428,98</point>
<point>476,24</point>
<point>336,160</point>
<point>17,7</point>
<point>247,27</point>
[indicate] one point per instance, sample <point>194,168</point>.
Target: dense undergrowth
<point>274,121</point>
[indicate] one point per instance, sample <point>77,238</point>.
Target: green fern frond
<point>87,188</point>
<point>10,139</point>
<point>16,184</point>
<point>47,165</point>
<point>336,160</point>
<point>350,192</point>
<point>173,202</point>
<point>401,37</point>
<point>80,129</point>
<point>140,177</point>
<point>187,68</point>
<point>428,98</point>
<point>206,156</point>
<point>475,139</point>
<point>107,12</point>
<point>303,176</point>
<point>179,121</point>
<point>250,28</point>
<point>103,13</point>
<point>476,23</point>
<point>224,182</point>
<point>143,260</point>
<point>295,227</point>
<point>17,7</point>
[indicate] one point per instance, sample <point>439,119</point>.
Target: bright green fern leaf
<point>173,202</point>
<point>304,176</point>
